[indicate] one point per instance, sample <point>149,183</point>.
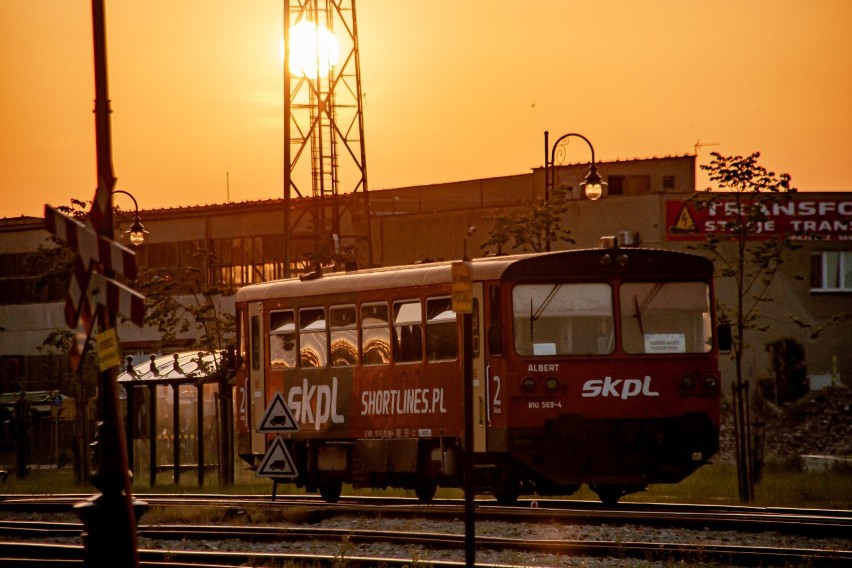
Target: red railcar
<point>589,366</point>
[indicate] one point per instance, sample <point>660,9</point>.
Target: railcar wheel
<point>329,490</point>
<point>608,494</point>
<point>507,495</point>
<point>507,489</point>
<point>425,489</point>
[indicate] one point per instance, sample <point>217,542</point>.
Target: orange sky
<point>454,90</point>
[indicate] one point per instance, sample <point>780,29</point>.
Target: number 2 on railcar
<point>595,366</point>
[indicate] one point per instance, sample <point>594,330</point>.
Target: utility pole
<point>109,518</point>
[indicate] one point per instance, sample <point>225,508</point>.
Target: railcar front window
<point>671,317</point>
<point>563,319</point>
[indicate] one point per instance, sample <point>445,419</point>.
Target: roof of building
<point>188,366</point>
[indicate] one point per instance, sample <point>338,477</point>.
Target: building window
<point>831,271</point>
<point>34,277</point>
<point>668,182</point>
<point>628,185</point>
<point>615,185</point>
<point>246,260</point>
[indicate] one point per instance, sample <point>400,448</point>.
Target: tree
<point>533,228</point>
<point>175,306</point>
<point>790,370</point>
<point>746,253</point>
<point>83,389</point>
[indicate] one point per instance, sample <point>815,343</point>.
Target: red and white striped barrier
<point>117,298</point>
<point>89,287</point>
<point>91,246</point>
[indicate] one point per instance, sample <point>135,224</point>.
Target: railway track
<point>351,542</point>
<point>747,519</point>
<point>733,555</point>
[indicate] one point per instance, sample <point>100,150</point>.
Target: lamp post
<point>136,232</point>
<point>592,184</point>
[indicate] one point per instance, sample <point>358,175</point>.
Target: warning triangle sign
<point>277,461</point>
<point>277,417</point>
<point>685,222</point>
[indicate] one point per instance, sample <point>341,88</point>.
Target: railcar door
<point>479,396</point>
<point>256,368</point>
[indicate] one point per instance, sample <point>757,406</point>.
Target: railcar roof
<point>406,276</point>
<point>388,277</point>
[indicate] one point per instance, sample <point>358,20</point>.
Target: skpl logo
<point>315,404</point>
<point>618,388</point>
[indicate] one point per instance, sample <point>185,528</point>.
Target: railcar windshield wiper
<point>536,314</point>
<point>646,301</point>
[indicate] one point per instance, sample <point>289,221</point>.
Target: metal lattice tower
<point>324,154</point>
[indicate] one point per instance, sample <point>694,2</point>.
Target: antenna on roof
<point>470,231</point>
<point>700,144</point>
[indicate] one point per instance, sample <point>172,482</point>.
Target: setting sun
<point>313,50</point>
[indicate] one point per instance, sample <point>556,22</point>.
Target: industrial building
<point>233,244</point>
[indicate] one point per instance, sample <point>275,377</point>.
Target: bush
<point>790,370</point>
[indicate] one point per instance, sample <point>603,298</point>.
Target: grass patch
<point>781,486</point>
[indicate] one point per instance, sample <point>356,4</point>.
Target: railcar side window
<point>282,339</point>
<point>475,325</point>
<point>672,317</point>
<point>313,338</point>
<point>255,343</point>
<point>375,334</point>
<point>495,322</point>
<point>408,331</point>
<point>563,319</point>
<point>242,339</point>
<point>344,336</point>
<point>441,331</point>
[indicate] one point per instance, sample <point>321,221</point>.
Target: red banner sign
<point>822,219</point>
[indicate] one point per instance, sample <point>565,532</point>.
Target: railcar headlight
<point>710,382</point>
<point>528,384</point>
<point>552,383</point>
<point>687,382</point>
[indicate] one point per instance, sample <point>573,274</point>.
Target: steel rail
<point>741,555</point>
<point>818,522</point>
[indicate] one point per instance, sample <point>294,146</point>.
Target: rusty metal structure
<point>324,151</point>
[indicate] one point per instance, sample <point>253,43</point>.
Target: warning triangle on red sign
<point>277,461</point>
<point>277,417</point>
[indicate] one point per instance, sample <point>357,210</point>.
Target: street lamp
<point>136,232</point>
<point>592,185</point>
